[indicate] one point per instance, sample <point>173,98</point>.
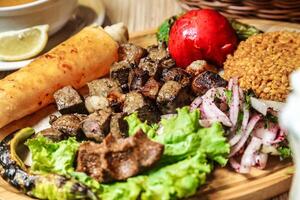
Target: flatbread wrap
<point>82,58</point>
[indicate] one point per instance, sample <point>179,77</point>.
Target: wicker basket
<point>281,10</point>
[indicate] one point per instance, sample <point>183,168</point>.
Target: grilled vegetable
<point>242,30</point>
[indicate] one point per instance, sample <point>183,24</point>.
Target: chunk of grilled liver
<point>130,52</point>
<point>172,95</point>
<point>52,134</point>
<point>146,110</point>
<point>206,80</point>
<point>153,68</point>
<point>94,103</point>
<point>118,158</point>
<point>69,101</point>
<point>118,125</point>
<point>96,125</point>
<point>119,72</point>
<point>199,66</point>
<point>116,100</point>
<point>177,74</point>
<point>158,52</point>
<point>151,88</point>
<point>137,78</point>
<point>102,87</point>
<point>68,124</point>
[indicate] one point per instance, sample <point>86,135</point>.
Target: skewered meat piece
<point>147,111</point>
<point>118,158</point>
<point>130,52</point>
<point>171,96</point>
<point>137,78</point>
<point>199,66</point>
<point>177,74</point>
<point>116,100</point>
<point>118,125</point>
<point>69,101</point>
<point>152,67</point>
<point>94,103</point>
<point>206,80</point>
<point>119,72</point>
<point>151,88</point>
<point>168,63</point>
<point>102,87</point>
<point>96,125</point>
<point>69,125</point>
<point>52,134</point>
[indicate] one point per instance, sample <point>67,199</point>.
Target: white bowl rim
<point>22,6</point>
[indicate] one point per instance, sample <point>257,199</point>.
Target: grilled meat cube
<point>130,52</point>
<point>118,158</point>
<point>96,125</point>
<point>69,101</point>
<point>151,66</point>
<point>116,100</point>
<point>69,125</point>
<point>94,103</point>
<point>146,110</point>
<point>119,72</point>
<point>177,74</point>
<point>199,66</point>
<point>206,80</point>
<point>168,63</point>
<point>172,95</point>
<point>52,134</point>
<point>118,125</point>
<point>137,78</point>
<point>151,88</point>
<point>158,52</point>
<point>102,87</point>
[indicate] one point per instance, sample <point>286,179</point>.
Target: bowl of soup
<point>20,14</point>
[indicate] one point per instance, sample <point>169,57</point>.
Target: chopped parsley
<point>285,152</point>
<point>228,94</point>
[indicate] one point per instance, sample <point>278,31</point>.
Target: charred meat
<point>118,125</point>
<point>69,125</point>
<point>152,67</point>
<point>102,87</point>
<point>118,158</point>
<point>130,52</point>
<point>96,125</point>
<point>119,72</point>
<point>151,88</point>
<point>116,100</point>
<point>137,79</point>
<point>52,134</point>
<point>206,80</point>
<point>177,74</point>
<point>69,101</point>
<point>172,95</point>
<point>94,103</point>
<point>199,66</point>
<point>146,110</point>
<point>158,52</point>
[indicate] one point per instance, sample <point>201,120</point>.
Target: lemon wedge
<point>23,44</point>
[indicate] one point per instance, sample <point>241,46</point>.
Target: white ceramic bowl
<point>53,12</point>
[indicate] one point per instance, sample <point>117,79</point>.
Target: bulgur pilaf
<point>264,62</point>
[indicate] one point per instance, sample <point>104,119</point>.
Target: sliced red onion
<point>261,160</point>
<point>262,106</point>
<point>234,164</point>
<point>212,112</point>
<point>253,121</point>
<point>230,84</point>
<point>196,103</point>
<point>245,117</point>
<point>234,105</point>
<point>281,136</point>
<point>235,139</point>
<point>248,158</point>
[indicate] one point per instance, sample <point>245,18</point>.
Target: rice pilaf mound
<point>264,62</point>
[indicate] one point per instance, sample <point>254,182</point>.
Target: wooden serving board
<point>224,183</point>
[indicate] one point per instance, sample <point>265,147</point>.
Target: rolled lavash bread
<point>82,58</point>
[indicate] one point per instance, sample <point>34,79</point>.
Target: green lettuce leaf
<point>135,124</point>
<point>53,157</point>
